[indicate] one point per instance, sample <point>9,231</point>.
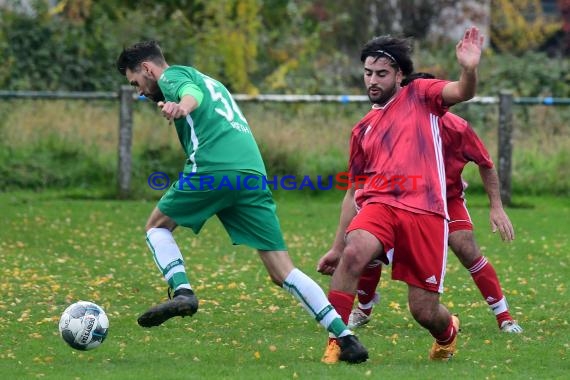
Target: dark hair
<point>132,57</point>
<point>397,50</point>
<point>410,78</point>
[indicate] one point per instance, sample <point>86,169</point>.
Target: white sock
<point>499,307</point>
<point>314,300</point>
<point>167,256</point>
<point>370,304</point>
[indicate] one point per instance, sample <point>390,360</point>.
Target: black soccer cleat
<point>183,303</point>
<point>351,350</point>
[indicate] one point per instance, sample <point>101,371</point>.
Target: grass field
<point>56,249</point>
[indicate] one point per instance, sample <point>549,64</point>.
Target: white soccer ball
<point>84,325</point>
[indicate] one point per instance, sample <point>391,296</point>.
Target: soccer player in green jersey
<point>219,146</point>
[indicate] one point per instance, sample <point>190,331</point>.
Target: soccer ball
<point>83,325</point>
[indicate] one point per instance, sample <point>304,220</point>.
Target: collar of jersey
<point>377,107</point>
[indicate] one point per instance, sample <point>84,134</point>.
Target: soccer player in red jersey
<point>461,145</point>
<point>403,222</point>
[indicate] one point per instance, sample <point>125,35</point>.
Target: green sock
<point>179,279</point>
<point>338,328</point>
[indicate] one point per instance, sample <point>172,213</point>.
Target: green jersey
<point>215,136</point>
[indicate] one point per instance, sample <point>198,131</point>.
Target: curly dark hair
<point>398,50</point>
<point>132,57</point>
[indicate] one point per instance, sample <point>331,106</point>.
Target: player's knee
<point>160,224</point>
<point>424,306</point>
<point>467,254</point>
<point>466,249</point>
<point>354,258</point>
<point>159,220</point>
<point>423,315</point>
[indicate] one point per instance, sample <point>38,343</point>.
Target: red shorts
<point>415,244</point>
<point>459,219</point>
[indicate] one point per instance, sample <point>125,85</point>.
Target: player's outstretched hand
<point>468,49</point>
<point>500,222</point>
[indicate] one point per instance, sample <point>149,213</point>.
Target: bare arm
<point>328,262</point>
<point>468,52</point>
<point>497,216</point>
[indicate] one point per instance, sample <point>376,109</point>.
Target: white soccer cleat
<point>357,318</point>
<point>511,327</point>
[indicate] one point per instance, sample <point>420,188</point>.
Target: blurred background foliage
<point>270,46</point>
<point>519,26</point>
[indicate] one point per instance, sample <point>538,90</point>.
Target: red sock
<point>486,279</point>
<point>504,316</point>
<point>342,302</point>
<point>447,335</point>
<point>368,282</point>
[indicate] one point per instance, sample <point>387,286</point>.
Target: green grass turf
<point>55,250</point>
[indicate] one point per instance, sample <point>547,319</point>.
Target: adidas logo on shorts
<point>431,280</point>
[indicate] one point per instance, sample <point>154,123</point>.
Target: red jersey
<point>461,145</point>
<point>397,151</point>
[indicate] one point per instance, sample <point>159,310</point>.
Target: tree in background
<point>558,45</point>
<point>284,46</point>
<point>65,48</point>
<point>228,41</point>
<point>328,35</point>
<point>518,26</point>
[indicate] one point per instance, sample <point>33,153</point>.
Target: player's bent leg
<point>345,346</point>
<point>169,260</point>
<point>429,313</point>
<point>278,265</point>
<point>366,294</point>
<point>426,309</point>
<point>314,301</point>
<point>361,248</point>
<point>484,276</point>
<point>463,245</point>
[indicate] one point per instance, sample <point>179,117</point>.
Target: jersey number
<point>230,109</point>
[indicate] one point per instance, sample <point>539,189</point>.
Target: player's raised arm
<point>468,52</point>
